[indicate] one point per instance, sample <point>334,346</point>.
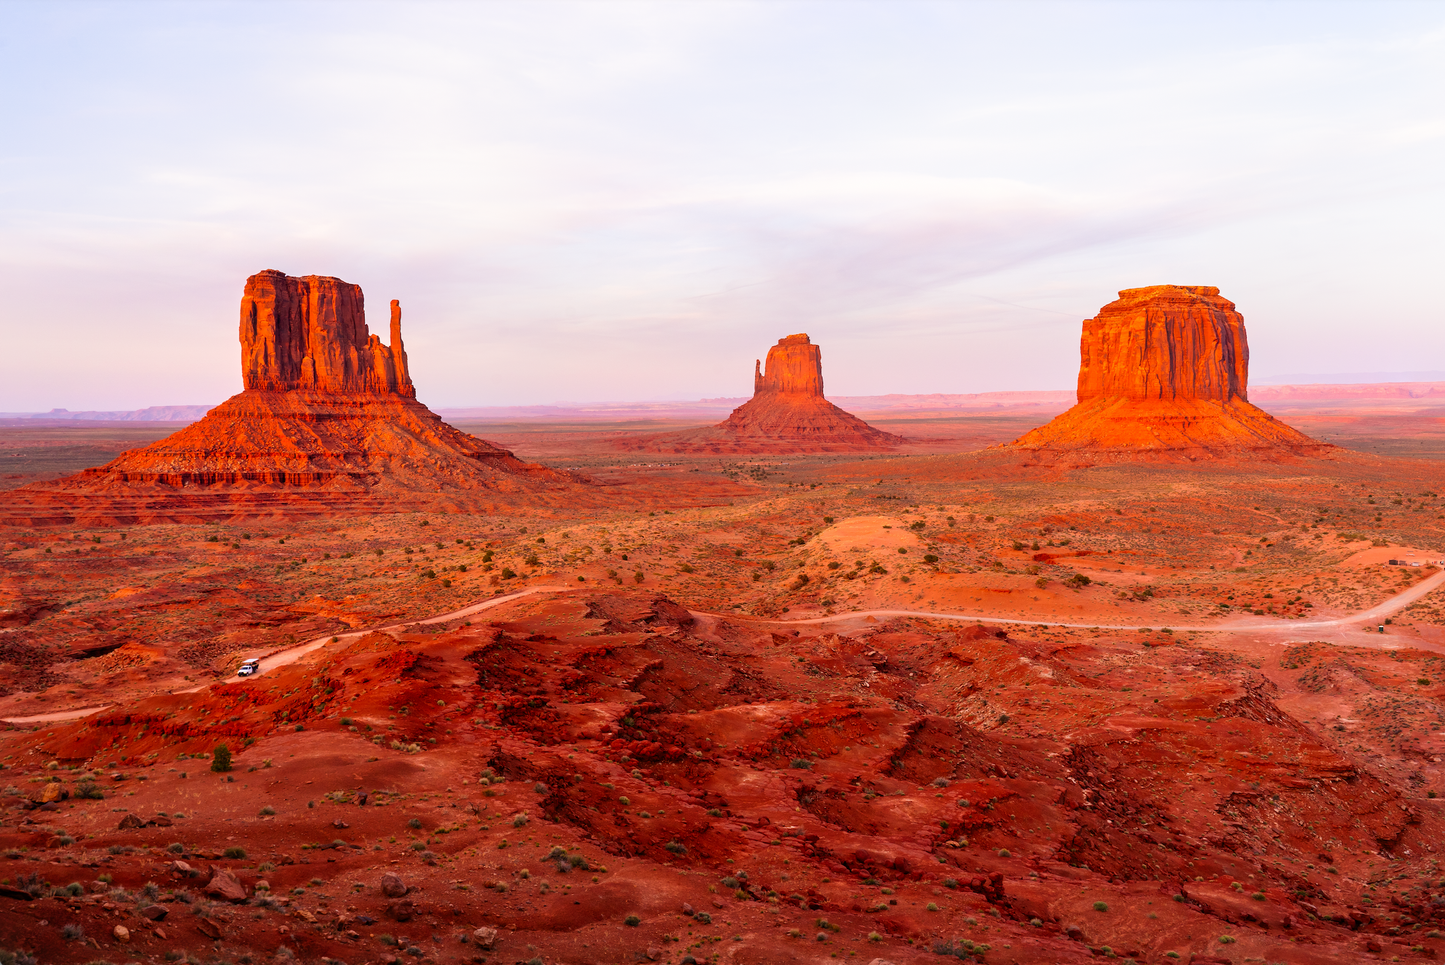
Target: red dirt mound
<point>787,413</point>
<point>1163,373</point>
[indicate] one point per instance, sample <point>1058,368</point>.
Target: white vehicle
<point>249,667</point>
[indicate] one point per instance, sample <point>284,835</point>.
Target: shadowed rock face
<point>1164,372</point>
<point>310,333</point>
<point>787,413</point>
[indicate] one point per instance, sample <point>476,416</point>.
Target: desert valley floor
<point>929,704</point>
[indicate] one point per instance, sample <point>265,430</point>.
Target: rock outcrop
<point>1164,372</point>
<point>326,408</point>
<point>310,333</point>
<point>787,413</point>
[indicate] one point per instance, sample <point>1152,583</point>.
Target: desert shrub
<point>414,824</point>
<point>702,918</point>
<point>235,854</point>
<point>1100,906</point>
<point>89,791</point>
<point>72,932</point>
<point>267,811</point>
<point>175,847</point>
<point>632,921</point>
<point>221,759</point>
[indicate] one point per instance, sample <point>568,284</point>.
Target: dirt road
<point>1358,621</point>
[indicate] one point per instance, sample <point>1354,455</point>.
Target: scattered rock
<point>401,911</point>
<point>392,886</point>
<point>224,885</point>
<point>340,825</point>
<point>130,823</point>
<point>208,928</point>
<point>50,793</point>
<point>121,933</point>
<point>155,912</point>
<point>485,938</point>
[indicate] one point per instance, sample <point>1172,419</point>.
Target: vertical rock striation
<point>1165,342</point>
<point>310,333</point>
<point>1164,371</point>
<point>795,367</point>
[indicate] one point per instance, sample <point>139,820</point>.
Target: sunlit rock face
<point>1164,372</point>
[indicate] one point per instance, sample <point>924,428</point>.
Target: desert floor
<point>715,730</point>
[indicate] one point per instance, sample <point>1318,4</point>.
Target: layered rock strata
<point>1164,371</point>
<point>787,413</point>
<point>326,406</point>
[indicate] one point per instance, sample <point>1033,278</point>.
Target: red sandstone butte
<point>310,333</point>
<point>1163,372</point>
<point>326,406</point>
<point>787,413</point>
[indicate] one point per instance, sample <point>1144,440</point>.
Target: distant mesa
<point>1163,372</point>
<point>787,414</point>
<point>327,408</point>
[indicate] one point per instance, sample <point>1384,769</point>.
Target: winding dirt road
<point>1365,618</point>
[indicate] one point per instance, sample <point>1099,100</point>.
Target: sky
<point>602,201</point>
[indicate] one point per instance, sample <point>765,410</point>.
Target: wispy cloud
<point>604,200</point>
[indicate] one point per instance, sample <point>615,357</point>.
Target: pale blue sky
<point>595,201</point>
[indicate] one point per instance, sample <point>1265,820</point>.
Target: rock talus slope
<point>787,413</point>
<point>1163,372</point>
